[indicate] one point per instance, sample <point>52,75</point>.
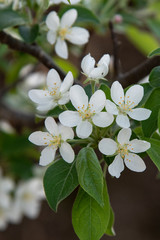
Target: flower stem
<point>93,84</point>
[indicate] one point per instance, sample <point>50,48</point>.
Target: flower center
<point>63,32</point>
<point>56,141</point>
<point>85,113</point>
<point>27,196</point>
<point>126,106</point>
<point>122,150</point>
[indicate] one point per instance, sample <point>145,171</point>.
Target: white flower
<point>57,92</point>
<point>125,151</point>
<point>87,113</point>
<point>64,1</point>
<point>3,218</point>
<point>125,104</point>
<point>55,138</point>
<point>92,72</point>
<point>59,31</point>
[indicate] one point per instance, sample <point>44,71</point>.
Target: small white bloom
<point>92,72</point>
<point>57,92</point>
<point>3,218</point>
<point>55,138</point>
<point>61,30</point>
<point>125,104</point>
<point>64,1</point>
<point>125,151</point>
<point>87,113</point>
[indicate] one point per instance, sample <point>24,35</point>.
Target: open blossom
<point>57,92</point>
<point>55,138</point>
<point>125,151</point>
<point>92,72</point>
<point>64,1</point>
<point>61,30</point>
<point>125,104</point>
<point>87,113</point>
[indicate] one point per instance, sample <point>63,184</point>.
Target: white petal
<point>68,18</point>
<point>123,121</point>
<point>67,82</point>
<point>116,167</point>
<point>99,72</point>
<point>105,59</point>
<point>47,106</point>
<point>78,97</point>
<point>64,99</point>
<point>111,107</point>
<point>117,93</point>
<point>39,96</point>
<point>72,1</point>
<point>67,152</point>
<point>61,48</point>
<point>51,126</point>
<point>138,146</point>
<point>135,162</point>
<point>84,129</point>
<point>134,94</point>
<point>69,118</point>
<point>47,156</point>
<point>51,37</point>
<point>7,185</point>
<point>97,101</point>
<point>124,135</point>
<point>40,138</point>
<point>107,146</point>
<point>53,81</point>
<point>52,21</point>
<point>66,132</point>
<point>103,119</point>
<point>140,114</point>
<point>77,35</point>
<point>87,64</point>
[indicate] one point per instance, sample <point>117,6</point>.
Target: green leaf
<point>154,53</point>
<point>10,18</point>
<point>154,151</point>
<point>110,230</point>
<point>90,174</point>
<point>147,92</point>
<point>159,120</point>
<point>28,33</point>
<point>106,90</point>
<point>154,24</point>
<point>55,112</point>
<point>153,103</point>
<point>154,77</point>
<point>89,219</point>
<point>59,182</point>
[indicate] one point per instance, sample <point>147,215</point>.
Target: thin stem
<point>93,84</point>
<point>105,170</point>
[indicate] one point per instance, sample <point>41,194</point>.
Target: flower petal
<point>107,146</point>
<point>69,118</point>
<point>77,35</point>
<point>51,37</point>
<point>40,138</point>
<point>47,106</point>
<point>103,119</point>
<point>72,1</point>
<point>124,135</point>
<point>68,18</point>
<point>39,96</point>
<point>135,162</point>
<point>51,126</point>
<point>134,94</point>
<point>105,59</point>
<point>84,129</point>
<point>61,48</point>
<point>47,156</point>
<point>138,146</point>
<point>99,72</point>
<point>78,97</point>
<point>87,64</point>
<point>123,121</point>
<point>111,107</point>
<point>117,93</point>
<point>66,132</point>
<point>140,114</point>
<point>53,81</point>
<point>116,167</point>
<point>97,101</point>
<point>67,83</point>
<point>64,99</point>
<point>52,21</point>
<point>67,152</point>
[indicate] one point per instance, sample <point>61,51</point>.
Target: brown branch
<point>139,72</point>
<point>32,49</point>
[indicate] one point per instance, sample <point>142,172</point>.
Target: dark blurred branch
<point>139,72</point>
<point>32,49</point>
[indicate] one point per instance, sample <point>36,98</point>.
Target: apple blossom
<point>125,104</point>
<point>87,113</point>
<point>125,150</point>
<point>57,92</point>
<point>64,1</point>
<point>92,72</point>
<point>55,138</point>
<point>61,30</point>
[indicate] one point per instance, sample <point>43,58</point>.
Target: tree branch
<point>32,49</point>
